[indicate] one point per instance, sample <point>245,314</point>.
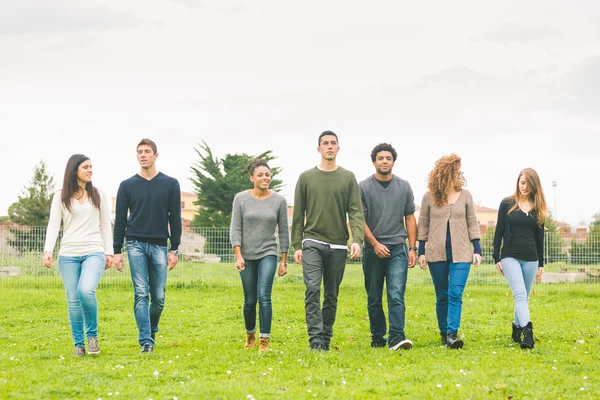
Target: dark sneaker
<point>517,333</point>
<point>528,340</point>
<point>398,342</point>
<point>79,351</point>
<point>147,348</point>
<point>444,337</point>
<point>93,347</point>
<point>453,342</point>
<point>376,343</point>
<point>325,346</point>
<point>316,345</point>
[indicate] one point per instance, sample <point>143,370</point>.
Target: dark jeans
<point>257,281</point>
<point>148,265</point>
<point>321,263</point>
<point>449,279</point>
<point>394,271</point>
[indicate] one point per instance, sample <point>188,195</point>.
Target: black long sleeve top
<point>519,235</point>
<point>154,206</point>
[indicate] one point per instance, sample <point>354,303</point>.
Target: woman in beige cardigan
<point>449,227</point>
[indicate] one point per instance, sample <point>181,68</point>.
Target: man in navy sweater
<point>153,201</point>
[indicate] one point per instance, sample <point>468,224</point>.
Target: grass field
<point>200,352</point>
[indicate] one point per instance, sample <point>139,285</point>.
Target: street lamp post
<point>555,213</point>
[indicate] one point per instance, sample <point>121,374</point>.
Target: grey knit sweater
<point>253,224</point>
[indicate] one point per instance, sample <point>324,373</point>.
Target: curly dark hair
<point>444,177</point>
<point>383,147</point>
<point>254,163</point>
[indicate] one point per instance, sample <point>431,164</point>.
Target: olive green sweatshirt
<point>321,202</point>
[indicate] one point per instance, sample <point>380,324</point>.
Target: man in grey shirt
<point>389,207</point>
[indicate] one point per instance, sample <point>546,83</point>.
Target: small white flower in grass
<point>251,362</point>
<point>439,385</point>
<point>280,362</point>
<point>170,361</point>
<point>299,359</point>
<point>458,385</point>
<point>129,376</point>
<point>156,373</point>
<point>249,396</point>
<point>264,373</point>
<point>341,370</point>
<point>110,394</point>
<point>581,341</point>
<point>176,356</point>
<point>343,382</point>
<point>461,371</point>
<point>581,389</point>
<point>309,391</point>
<point>585,377</point>
<point>270,369</point>
<point>12,358</point>
<point>493,352</point>
<point>162,362</point>
<point>554,360</point>
<point>553,368</point>
<point>175,398</point>
<point>380,364</point>
<point>181,383</point>
<point>228,372</point>
<point>116,393</point>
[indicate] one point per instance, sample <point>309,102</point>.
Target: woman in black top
<point>520,230</point>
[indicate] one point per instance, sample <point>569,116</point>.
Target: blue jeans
<point>80,276</point>
<point>393,270</point>
<point>449,280</point>
<point>148,264</point>
<point>257,281</point>
<point>520,275</point>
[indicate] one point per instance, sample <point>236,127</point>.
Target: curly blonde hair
<point>444,178</point>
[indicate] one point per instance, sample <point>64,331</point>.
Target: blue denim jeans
<point>257,281</point>
<point>449,280</point>
<point>80,276</point>
<point>394,271</point>
<point>148,264</point>
<point>520,275</point>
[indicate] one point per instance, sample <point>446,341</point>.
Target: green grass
<point>200,352</point>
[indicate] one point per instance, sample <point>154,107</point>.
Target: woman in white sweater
<point>85,249</point>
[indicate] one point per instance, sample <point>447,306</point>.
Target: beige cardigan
<point>464,228</point>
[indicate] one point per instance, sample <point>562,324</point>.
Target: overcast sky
<point>505,85</point>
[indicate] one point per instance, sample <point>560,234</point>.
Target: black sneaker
<point>453,342</point>
<point>147,348</point>
<point>444,337</point>
<point>376,343</point>
<point>399,342</point>
<point>316,345</point>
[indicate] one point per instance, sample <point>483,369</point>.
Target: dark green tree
<point>32,210</point>
<point>554,245</point>
<point>217,181</point>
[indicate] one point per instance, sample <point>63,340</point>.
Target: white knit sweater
<point>85,229</point>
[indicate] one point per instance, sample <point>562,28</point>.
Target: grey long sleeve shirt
<point>253,224</point>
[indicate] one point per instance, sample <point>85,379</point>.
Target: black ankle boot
<point>444,337</point>
<point>453,342</point>
<point>528,341</point>
<point>516,333</point>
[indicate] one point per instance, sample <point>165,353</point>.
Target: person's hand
<point>354,251</point>
<point>381,250</point>
<point>119,262</point>
<point>540,273</point>
<point>476,260</point>
<point>109,261</point>
<point>172,260</point>
<point>240,263</point>
<point>47,260</point>
<point>282,269</point>
<point>499,267</point>
<point>422,262</point>
<point>298,256</point>
<point>412,258</point>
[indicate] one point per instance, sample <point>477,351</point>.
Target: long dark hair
<point>70,186</point>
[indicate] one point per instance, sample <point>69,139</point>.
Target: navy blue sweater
<point>154,206</point>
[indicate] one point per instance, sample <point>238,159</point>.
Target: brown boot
<point>263,345</point>
<point>250,340</point>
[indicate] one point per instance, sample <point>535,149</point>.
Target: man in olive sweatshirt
<point>324,196</point>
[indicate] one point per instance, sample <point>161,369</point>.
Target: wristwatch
<point>176,252</point>
<point>284,264</point>
<point>413,248</point>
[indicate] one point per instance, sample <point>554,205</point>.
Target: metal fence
<point>206,257</point>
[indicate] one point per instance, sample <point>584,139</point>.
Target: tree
<point>554,243</point>
<point>32,210</point>
<point>217,181</point>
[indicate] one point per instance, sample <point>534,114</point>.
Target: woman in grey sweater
<point>448,224</point>
<point>257,214</point>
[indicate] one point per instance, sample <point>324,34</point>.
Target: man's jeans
<point>257,281</point>
<point>148,264</point>
<point>520,275</point>
<point>321,263</point>
<point>393,270</point>
<point>80,276</point>
<point>449,280</point>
